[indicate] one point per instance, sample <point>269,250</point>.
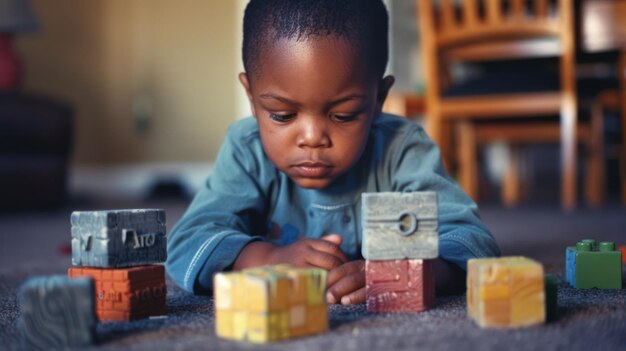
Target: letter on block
<point>400,285</point>
<point>57,312</point>
<point>399,226</point>
<point>125,294</point>
<point>268,304</point>
<point>122,238</point>
<point>593,265</point>
<point>505,292</point>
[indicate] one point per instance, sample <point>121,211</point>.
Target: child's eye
<point>345,118</point>
<point>282,118</point>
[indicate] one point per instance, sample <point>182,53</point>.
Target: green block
<point>551,290</point>
<point>597,265</point>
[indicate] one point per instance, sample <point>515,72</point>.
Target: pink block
<point>400,285</point>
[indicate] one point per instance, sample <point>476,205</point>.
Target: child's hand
<point>322,253</point>
<point>346,283</point>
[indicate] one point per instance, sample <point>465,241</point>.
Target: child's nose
<point>313,133</point>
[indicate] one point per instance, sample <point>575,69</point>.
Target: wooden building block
<point>271,303</point>
<point>57,313</point>
<point>505,292</point>
<point>400,285</point>
<point>121,238</point>
<point>399,226</point>
<point>124,294</point>
<point>593,265</point>
<point>267,290</point>
<point>266,327</point>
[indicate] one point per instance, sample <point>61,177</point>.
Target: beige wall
<point>117,61</point>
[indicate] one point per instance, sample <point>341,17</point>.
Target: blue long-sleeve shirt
<point>247,198</point>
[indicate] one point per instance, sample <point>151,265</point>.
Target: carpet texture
<point>588,319</point>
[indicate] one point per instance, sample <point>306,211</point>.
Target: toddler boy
<point>287,182</point>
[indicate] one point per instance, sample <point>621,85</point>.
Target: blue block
<point>119,238</point>
<point>57,312</point>
<point>570,265</point>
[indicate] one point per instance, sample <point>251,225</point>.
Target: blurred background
<point>124,103</point>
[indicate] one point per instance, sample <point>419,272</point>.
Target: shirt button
<point>345,218</point>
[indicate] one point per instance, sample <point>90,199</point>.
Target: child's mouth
<point>312,169</point>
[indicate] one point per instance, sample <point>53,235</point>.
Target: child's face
<point>314,101</point>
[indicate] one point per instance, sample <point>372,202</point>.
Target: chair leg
<point>568,155</point>
<point>468,169</point>
<point>622,104</point>
<point>622,164</point>
<point>511,182</point>
<point>594,165</point>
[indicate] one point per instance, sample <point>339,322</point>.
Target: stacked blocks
<point>400,241</point>
<point>593,265</point>
<point>119,250</point>
<point>127,293</point>
<point>122,238</point>
<point>268,304</point>
<point>400,225</point>
<point>400,285</point>
<point>505,292</point>
<point>57,312</point>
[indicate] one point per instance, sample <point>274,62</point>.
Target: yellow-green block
<point>505,292</point>
<point>229,291</point>
<point>266,290</point>
<point>266,327</point>
<point>270,303</point>
<point>231,324</point>
<point>317,318</point>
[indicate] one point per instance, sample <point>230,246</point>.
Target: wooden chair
<point>499,30</point>
<point>613,99</point>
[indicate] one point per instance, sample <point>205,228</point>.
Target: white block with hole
<point>400,225</point>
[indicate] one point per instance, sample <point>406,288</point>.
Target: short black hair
<point>363,23</point>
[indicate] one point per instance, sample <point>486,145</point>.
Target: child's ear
<point>245,82</point>
<point>384,85</point>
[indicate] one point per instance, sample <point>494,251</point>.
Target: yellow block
<point>317,318</point>
<point>298,320</point>
<point>229,291</point>
<point>316,286</point>
<point>299,283</point>
<point>265,304</point>
<point>266,291</point>
<point>231,324</point>
<point>266,327</point>
<point>505,292</point>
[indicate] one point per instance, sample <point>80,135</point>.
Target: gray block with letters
<point>399,225</point>
<point>57,312</point>
<point>118,238</point>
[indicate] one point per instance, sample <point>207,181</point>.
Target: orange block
<point>124,294</point>
<point>505,292</point>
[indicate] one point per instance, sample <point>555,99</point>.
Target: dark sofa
<point>36,135</point>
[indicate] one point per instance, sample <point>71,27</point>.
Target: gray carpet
<point>30,243</point>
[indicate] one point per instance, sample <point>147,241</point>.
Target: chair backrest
<point>487,30</point>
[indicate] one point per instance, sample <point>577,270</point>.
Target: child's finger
<point>346,285</point>
<point>347,268</point>
<point>323,260</point>
<point>354,297</point>
<point>333,238</point>
<point>329,248</point>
